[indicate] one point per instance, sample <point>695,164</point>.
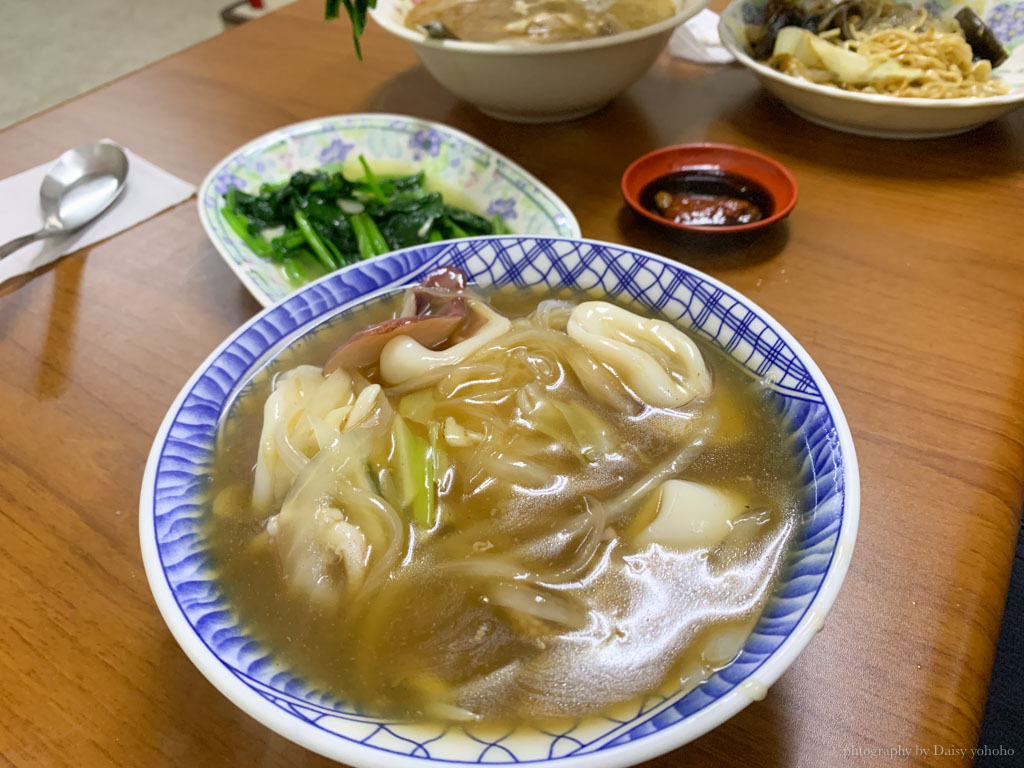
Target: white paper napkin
<point>697,40</point>
<point>147,191</point>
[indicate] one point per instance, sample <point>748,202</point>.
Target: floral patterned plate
<point>468,173</point>
<point>884,116</point>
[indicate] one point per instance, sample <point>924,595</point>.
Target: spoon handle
<point>20,242</point>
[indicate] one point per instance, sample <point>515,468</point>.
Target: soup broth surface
<point>444,635</point>
<point>492,21</point>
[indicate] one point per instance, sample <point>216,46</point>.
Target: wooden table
<point>901,270</point>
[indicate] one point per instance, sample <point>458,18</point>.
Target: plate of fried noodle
<point>884,68</point>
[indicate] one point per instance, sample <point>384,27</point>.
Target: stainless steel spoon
<point>79,187</point>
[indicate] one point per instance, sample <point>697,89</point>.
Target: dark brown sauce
<point>707,197</point>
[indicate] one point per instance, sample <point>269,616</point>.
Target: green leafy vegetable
<point>453,229</point>
<point>407,221</point>
<point>499,226</point>
<point>356,10</point>
<point>314,241</point>
<point>468,222</point>
<point>301,267</point>
<point>318,221</point>
<point>372,180</point>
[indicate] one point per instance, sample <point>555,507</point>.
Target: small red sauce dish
<point>709,188</point>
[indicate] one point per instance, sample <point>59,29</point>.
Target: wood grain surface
<point>901,270</point>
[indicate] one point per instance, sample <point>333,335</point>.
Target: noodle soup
<point>537,21</point>
<point>508,507</point>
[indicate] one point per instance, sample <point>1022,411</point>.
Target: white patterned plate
<point>468,173</point>
<point>889,117</point>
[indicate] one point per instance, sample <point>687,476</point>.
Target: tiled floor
<point>51,50</point>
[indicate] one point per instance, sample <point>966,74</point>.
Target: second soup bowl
<point>537,82</point>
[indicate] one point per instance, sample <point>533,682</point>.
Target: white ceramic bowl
<point>184,577</point>
<point>889,117</point>
<point>537,83</point>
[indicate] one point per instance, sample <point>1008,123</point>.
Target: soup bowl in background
<point>537,82</point>
<point>485,181</point>
<point>177,559</point>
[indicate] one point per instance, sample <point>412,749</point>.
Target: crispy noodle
<point>945,57</point>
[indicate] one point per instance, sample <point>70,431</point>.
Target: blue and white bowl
<point>174,548</point>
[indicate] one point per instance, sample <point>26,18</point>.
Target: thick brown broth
<point>537,21</point>
<point>670,618</point>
